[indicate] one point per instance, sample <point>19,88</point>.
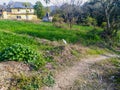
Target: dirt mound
<point>66,54</point>
<point>8,70</point>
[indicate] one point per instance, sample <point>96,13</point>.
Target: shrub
<point>57,18</point>
<point>18,52</point>
<point>91,21</point>
<point>104,24</point>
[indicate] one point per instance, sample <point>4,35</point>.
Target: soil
<point>67,77</point>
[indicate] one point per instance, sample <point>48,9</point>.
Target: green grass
<point>84,34</point>
<point>7,39</point>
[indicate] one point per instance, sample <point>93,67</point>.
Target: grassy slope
<point>80,34</point>
<point>25,32</point>
<point>83,34</point>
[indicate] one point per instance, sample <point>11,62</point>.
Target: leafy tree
<point>39,9</point>
<point>70,11</point>
<point>110,10</point>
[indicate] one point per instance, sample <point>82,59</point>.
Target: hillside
<point>24,72</point>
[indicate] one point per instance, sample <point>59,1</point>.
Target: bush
<point>57,18</point>
<point>104,24</point>
<point>91,21</point>
<point>18,52</point>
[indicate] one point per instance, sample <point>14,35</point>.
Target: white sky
<point>33,1</point>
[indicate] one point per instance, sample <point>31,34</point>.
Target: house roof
<point>20,5</point>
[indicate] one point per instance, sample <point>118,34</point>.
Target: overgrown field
<point>21,40</point>
<point>82,34</point>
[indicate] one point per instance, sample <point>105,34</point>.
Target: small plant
<point>18,52</point>
<point>49,80</point>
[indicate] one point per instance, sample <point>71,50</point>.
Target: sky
<point>33,1</point>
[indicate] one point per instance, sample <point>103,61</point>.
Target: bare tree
<point>69,10</point>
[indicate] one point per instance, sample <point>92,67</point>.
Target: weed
<point>24,82</point>
<point>49,80</point>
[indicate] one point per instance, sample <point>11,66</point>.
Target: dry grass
<point>100,76</point>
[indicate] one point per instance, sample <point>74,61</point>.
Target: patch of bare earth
<point>8,70</point>
<point>66,78</point>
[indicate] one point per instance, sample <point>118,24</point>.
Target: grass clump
<point>48,80</point>
<point>31,82</point>
<point>24,82</point>
<point>19,52</point>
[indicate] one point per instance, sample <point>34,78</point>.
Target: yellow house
<point>19,11</point>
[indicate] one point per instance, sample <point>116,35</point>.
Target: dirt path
<point>67,77</point>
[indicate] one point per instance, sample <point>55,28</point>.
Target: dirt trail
<point>67,77</point>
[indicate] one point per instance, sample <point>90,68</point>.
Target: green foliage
<point>39,9</point>
<point>49,80</point>
<point>18,52</point>
<point>57,18</point>
<point>104,24</point>
<point>50,32</point>
<point>91,21</point>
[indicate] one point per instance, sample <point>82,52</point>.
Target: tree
<point>39,9</point>
<point>69,10</point>
<point>47,2</point>
<point>111,14</point>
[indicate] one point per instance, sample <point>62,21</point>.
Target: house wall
<point>22,10</point>
<point>23,17</point>
<point>20,14</point>
<point>4,15</point>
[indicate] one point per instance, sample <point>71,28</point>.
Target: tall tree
<point>39,9</point>
<point>111,9</point>
<point>70,10</point>
<point>47,2</point>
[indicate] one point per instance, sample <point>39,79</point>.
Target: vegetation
<point>25,82</point>
<point>50,32</point>
<point>100,76</point>
<point>93,12</point>
<point>33,82</point>
<point>39,9</point>
<point>77,30</point>
<point>18,52</point>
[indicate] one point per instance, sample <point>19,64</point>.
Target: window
<point>18,10</point>
<point>18,17</point>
